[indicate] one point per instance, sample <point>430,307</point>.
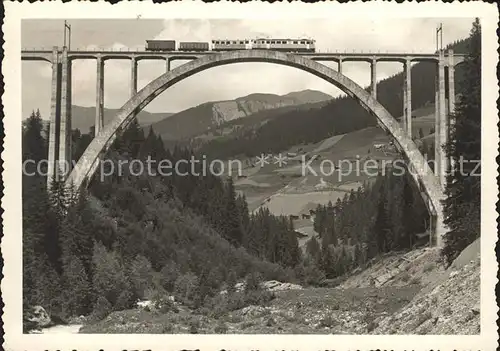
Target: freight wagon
<point>193,46</point>
<point>160,45</point>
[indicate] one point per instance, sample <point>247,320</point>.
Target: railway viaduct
<point>430,184</point>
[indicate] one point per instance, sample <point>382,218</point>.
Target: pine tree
<point>234,230</point>
<point>34,144</point>
<point>313,249</point>
<point>140,275</point>
<point>462,206</point>
<point>78,295</point>
<point>381,229</point>
<point>109,278</point>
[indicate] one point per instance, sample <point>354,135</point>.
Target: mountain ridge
<point>198,119</point>
<point>83,117</point>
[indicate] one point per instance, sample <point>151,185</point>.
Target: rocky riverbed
<point>62,329</point>
<point>407,293</point>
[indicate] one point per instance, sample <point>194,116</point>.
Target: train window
<point>295,42</point>
<point>246,41</point>
<point>268,41</point>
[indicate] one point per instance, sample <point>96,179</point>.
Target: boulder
<point>144,304</point>
<point>37,317</point>
<point>253,311</point>
<point>274,285</point>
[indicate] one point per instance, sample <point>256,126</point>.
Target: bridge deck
<point>46,55</point>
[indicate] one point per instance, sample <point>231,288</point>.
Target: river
<point>62,329</point>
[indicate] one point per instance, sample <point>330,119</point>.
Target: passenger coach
<point>288,45</point>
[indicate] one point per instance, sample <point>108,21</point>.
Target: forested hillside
<point>189,235</point>
<point>134,237</point>
<point>379,218</point>
<point>462,206</point>
<point>388,215</point>
<point>341,115</point>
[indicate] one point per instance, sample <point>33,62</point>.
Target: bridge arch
<point>425,179</point>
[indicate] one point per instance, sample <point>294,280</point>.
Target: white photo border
<point>11,246</point>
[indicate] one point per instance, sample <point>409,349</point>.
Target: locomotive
<point>288,45</point>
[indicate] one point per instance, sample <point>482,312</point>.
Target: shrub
<point>163,303</point>
<point>423,317</point>
<point>415,280</point>
<point>247,324</point>
<point>405,276</point>
<point>313,275</point>
<point>167,328</point>
<point>186,287</point>
<point>371,326</point>
<point>429,266</point>
<point>124,301</point>
<point>221,328</point>
<point>258,297</point>
<point>328,321</point>
<point>168,275</point>
<point>253,281</point>
<point>102,309</point>
<point>141,275</point>
<point>194,325</point>
<point>447,311</point>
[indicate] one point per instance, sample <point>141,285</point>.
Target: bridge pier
<point>437,128</point>
<point>340,66</point>
<point>167,64</point>
<point>99,104</point>
<point>441,124</point>
<point>374,78</point>
<point>442,120</point>
<point>133,76</point>
<point>407,98</point>
<point>65,119</point>
<point>451,97</point>
<point>451,85</point>
<point>55,116</point>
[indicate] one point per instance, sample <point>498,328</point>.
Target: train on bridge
<point>288,45</point>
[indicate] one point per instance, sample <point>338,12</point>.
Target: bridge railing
<point>318,51</point>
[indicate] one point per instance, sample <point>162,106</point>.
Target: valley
<point>318,233</point>
<point>373,301</point>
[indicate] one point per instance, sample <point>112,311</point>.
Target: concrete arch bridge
<point>429,184</point>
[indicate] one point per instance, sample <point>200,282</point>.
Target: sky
<point>224,82</point>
